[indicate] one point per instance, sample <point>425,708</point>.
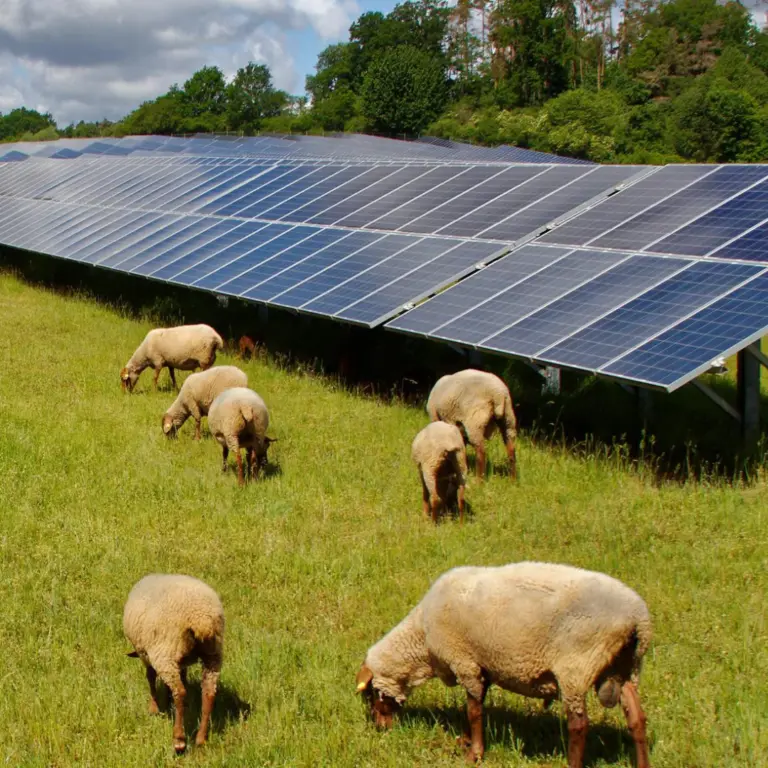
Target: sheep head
<point>169,428</point>
<point>128,379</point>
<point>382,706</point>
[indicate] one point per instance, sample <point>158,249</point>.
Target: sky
<point>90,59</point>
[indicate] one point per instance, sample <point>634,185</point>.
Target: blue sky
<point>88,59</point>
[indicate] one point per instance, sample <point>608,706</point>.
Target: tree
<point>22,120</point>
<point>251,98</point>
<point>205,93</point>
<point>403,91</point>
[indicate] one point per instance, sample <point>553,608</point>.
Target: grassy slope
<point>315,563</point>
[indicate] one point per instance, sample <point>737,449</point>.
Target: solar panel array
<point>638,273</point>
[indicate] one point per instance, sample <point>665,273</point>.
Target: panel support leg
<point>748,387</point>
<point>551,384</point>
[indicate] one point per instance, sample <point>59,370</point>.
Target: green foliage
<point>205,93</point>
<point>23,121</point>
<point>251,98</point>
<point>403,91</point>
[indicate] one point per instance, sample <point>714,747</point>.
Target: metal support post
<point>551,381</point>
<point>748,387</point>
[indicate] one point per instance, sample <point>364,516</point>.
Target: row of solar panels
<point>613,289</point>
<point>503,203</point>
<point>345,146</point>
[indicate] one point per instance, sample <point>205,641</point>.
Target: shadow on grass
<point>534,735</point>
<point>228,707</point>
<point>682,436</point>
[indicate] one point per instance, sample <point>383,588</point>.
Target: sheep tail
<point>643,635</point>
<point>505,417</point>
<point>219,342</point>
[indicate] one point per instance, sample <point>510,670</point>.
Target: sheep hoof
<point>153,708</point>
<point>200,741</point>
<point>180,745</point>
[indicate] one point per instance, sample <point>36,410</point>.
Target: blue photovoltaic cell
<point>206,251</point>
<point>535,333</point>
<point>246,273</point>
<point>167,256</point>
<point>340,192</point>
<point>630,201</point>
<point>414,208</point>
<point>648,314</point>
<point>151,250</point>
<point>341,210</point>
<point>148,235</point>
<point>428,317</point>
<point>291,277</point>
<point>69,248</point>
<point>752,246</point>
<point>472,199</point>
<point>263,244</point>
<point>545,210</point>
<point>527,296</point>
<point>261,287</point>
<point>687,349</point>
<point>400,195</point>
<point>78,223</point>
<point>342,269</point>
<point>284,192</point>
<point>86,250</point>
<point>200,269</point>
<point>414,254</point>
<point>681,208</point>
<point>195,198</point>
<point>719,226</point>
<point>312,192</point>
<point>383,303</point>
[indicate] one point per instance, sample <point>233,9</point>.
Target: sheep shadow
<point>534,735</point>
<point>495,468</point>
<point>228,708</point>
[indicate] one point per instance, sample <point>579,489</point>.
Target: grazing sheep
<point>537,629</point>
<point>476,402</point>
<point>173,621</point>
<point>439,452</point>
<point>238,418</point>
<point>247,344</point>
<point>185,347</point>
<point>197,393</point>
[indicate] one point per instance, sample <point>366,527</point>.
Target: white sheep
<point>173,621</point>
<point>477,402</point>
<point>439,452</point>
<point>197,393</point>
<point>185,348</point>
<point>537,629</point>
<point>238,418</point>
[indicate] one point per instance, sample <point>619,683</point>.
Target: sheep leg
<point>630,703</point>
<point>480,459</point>
<point>424,495</point>
<point>173,378</point>
<point>157,375</point>
<point>171,676</point>
<point>250,461</point>
<point>435,506</point>
<point>209,683</point>
<point>578,725</point>
<point>240,478</point>
<point>225,454</point>
<point>460,494</point>
<point>512,460</point>
<point>198,436</point>
<point>474,735</point>
<point>152,680</point>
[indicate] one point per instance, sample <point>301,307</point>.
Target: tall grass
<point>317,561</point>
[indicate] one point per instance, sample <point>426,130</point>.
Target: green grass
<point>316,562</point>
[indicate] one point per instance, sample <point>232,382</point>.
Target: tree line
<point>636,81</point>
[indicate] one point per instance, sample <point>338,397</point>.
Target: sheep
<point>185,347</point>
<point>247,344</point>
<point>439,453</point>
<point>538,629</point>
<point>173,621</point>
<point>197,393</point>
<point>476,402</point>
<point>238,418</point>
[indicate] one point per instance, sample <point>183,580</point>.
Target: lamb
<point>476,402</point>
<point>247,345</point>
<point>238,418</point>
<point>185,347</point>
<point>439,452</point>
<point>197,393</point>
<point>538,629</point>
<point>173,621</point>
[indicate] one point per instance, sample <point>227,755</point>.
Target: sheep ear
<point>132,655</point>
<point>363,679</point>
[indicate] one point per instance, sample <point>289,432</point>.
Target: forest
<point>632,82</point>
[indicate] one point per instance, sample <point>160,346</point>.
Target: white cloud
<point>88,59</point>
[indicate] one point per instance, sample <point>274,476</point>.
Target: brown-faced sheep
<point>247,346</point>
<point>537,629</point>
<point>173,621</point>
<point>439,452</point>
<point>184,347</point>
<point>238,418</point>
<point>477,403</point>
<point>197,393</point>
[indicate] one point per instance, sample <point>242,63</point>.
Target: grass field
<point>317,561</point>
